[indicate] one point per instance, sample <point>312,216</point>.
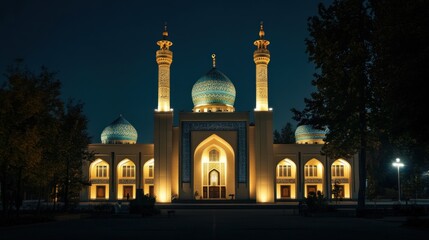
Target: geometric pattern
<point>241,157</point>
<point>308,133</point>
<point>214,88</point>
<point>119,130</point>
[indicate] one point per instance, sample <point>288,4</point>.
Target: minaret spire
<point>261,57</point>
<point>164,58</point>
<point>261,31</point>
<point>214,60</point>
<point>165,33</point>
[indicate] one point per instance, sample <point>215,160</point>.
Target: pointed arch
<point>286,179</point>
<point>99,172</point>
<point>149,177</point>
<point>214,177</point>
<point>126,172</point>
<point>341,179</point>
<point>214,154</point>
<point>313,177</point>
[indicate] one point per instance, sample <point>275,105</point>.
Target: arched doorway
<point>99,178</point>
<point>286,179</point>
<point>340,179</point>
<point>313,177</point>
<point>148,178</point>
<point>214,175</point>
<point>126,172</point>
<point>215,189</point>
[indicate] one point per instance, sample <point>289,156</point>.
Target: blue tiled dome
<point>306,133</point>
<point>119,131</point>
<point>214,88</point>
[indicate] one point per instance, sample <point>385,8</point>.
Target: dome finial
<point>261,31</point>
<point>214,60</point>
<point>165,33</point>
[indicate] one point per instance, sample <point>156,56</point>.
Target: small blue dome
<point>119,131</point>
<point>214,88</point>
<point>306,133</point>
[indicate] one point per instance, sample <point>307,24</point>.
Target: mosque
<point>214,153</point>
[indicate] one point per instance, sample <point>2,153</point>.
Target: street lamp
<point>398,165</point>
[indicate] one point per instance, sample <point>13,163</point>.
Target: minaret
<point>164,57</point>
<point>163,123</point>
<point>264,163</point>
<point>261,56</point>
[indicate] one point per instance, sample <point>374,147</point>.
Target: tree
<point>338,46</point>
<point>401,66</point>
<point>287,134</point>
<point>42,140</point>
<point>74,144</point>
<point>26,100</point>
<point>371,60</point>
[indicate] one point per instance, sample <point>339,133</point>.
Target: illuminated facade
<point>214,153</point>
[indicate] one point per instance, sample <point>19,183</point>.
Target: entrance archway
<point>214,169</point>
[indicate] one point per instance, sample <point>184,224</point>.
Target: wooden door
<point>214,192</point>
<point>311,188</point>
<point>151,191</point>
<point>285,191</point>
<point>127,192</point>
<point>101,192</point>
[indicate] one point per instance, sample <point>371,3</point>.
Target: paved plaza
<point>219,224</point>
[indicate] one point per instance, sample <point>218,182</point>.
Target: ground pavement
<point>219,224</point>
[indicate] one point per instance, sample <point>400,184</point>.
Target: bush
<point>316,202</point>
<point>144,205</point>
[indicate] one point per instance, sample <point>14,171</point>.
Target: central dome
<point>213,92</point>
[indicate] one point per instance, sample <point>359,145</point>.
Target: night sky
<point>104,52</point>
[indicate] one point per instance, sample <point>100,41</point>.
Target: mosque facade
<point>214,153</point>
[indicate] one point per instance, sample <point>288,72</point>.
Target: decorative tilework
<point>213,88</point>
<point>241,157</point>
<point>99,181</point>
<point>127,181</point>
<point>307,132</point>
<point>119,130</point>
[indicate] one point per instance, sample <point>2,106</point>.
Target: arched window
<point>214,178</point>
<point>310,170</point>
<point>284,170</point>
<point>128,171</point>
<point>101,171</point>
<point>337,170</point>
<point>214,155</point>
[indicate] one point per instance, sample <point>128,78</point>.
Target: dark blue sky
<point>104,52</point>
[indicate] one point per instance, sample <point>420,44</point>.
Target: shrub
<point>144,205</point>
<point>316,201</point>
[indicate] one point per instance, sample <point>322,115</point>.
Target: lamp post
<point>398,165</point>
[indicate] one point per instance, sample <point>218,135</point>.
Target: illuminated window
<point>101,171</point>
<point>284,171</point>
<point>338,170</point>
<point>214,178</point>
<point>127,171</point>
<point>150,171</point>
<point>310,170</point>
<point>214,155</point>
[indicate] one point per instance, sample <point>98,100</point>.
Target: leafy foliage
<point>316,201</point>
<point>287,135</point>
<point>371,59</point>
<point>42,139</point>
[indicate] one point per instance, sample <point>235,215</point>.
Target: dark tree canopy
<point>42,139</point>
<point>286,134</point>
<point>371,59</point>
